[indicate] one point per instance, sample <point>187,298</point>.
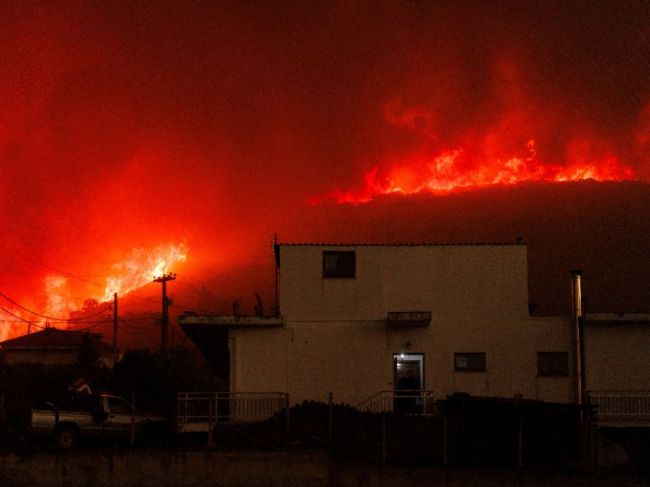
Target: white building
<point>356,320</point>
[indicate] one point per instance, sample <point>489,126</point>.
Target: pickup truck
<point>101,416</point>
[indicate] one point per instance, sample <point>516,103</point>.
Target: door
<point>408,380</point>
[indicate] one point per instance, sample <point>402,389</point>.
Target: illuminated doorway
<point>408,380</point>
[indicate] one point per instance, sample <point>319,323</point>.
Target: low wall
<point>180,468</point>
<point>126,467</point>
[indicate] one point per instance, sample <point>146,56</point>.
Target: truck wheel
<point>66,437</point>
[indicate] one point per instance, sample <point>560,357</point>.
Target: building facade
<point>356,320</point>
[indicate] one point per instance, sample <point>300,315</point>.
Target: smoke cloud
<point>130,125</point>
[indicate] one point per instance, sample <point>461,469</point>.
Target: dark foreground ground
<point>129,467</point>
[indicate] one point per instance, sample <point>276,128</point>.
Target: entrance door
<point>408,380</point>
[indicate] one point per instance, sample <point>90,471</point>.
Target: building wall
<point>354,360</point>
<point>336,338</point>
<point>616,357</point>
<point>450,281</point>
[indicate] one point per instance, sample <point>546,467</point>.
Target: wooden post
<point>211,410</point>
<point>133,419</point>
<point>445,439</point>
<point>520,442</point>
<point>383,437</point>
<point>287,414</point>
<point>330,420</point>
<point>114,329</point>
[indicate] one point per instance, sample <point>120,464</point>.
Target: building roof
<point>618,318</point>
<point>403,244</point>
<point>53,338</point>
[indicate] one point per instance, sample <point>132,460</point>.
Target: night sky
<point>130,125</point>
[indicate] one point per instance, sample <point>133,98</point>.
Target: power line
<point>52,318</point>
<point>82,279</point>
<point>93,326</point>
<point>19,317</point>
<point>131,332</point>
<point>150,326</point>
<point>47,266</point>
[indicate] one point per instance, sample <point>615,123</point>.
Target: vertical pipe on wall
<point>576,316</point>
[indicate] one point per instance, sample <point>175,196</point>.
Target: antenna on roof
<point>259,307</point>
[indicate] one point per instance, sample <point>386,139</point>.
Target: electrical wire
<point>131,332</point>
<point>82,279</point>
<point>107,320</point>
<point>47,266</point>
<point>52,318</point>
<point>19,317</point>
<point>138,327</point>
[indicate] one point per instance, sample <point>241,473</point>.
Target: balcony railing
<point>405,402</point>
<point>622,408</point>
<point>199,411</point>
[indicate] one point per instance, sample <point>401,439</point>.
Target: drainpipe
<point>576,318</point>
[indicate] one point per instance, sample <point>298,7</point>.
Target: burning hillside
<point>211,127</point>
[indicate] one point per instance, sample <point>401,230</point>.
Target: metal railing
<point>405,402</point>
<point>624,408</point>
<point>199,411</point>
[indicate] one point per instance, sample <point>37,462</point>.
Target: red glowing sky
<point>128,125</point>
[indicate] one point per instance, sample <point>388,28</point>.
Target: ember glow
<point>453,170</point>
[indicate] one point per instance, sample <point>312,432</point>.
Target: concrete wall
<point>617,356</point>
<point>354,360</point>
<point>335,337</point>
<point>453,282</point>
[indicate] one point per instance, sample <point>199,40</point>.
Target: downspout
<point>576,319</point>
<point>276,258</point>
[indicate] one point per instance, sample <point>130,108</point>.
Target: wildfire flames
<point>449,172</point>
<point>139,268</point>
<point>455,170</point>
<point>517,145</point>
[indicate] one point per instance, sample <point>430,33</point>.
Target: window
<point>339,264</point>
<point>469,362</point>
<point>118,406</point>
<point>552,364</point>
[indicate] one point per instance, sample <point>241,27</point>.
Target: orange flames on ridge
<point>454,170</point>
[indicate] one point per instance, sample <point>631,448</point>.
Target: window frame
<point>470,355</point>
<point>556,372</point>
<point>328,274</point>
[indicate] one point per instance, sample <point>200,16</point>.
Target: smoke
<point>130,125</point>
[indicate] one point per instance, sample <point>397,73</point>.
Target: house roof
<point>617,318</point>
<point>403,244</point>
<point>53,338</point>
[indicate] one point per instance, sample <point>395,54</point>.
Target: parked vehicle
<point>101,416</point>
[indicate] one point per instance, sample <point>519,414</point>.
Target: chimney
<point>576,318</point>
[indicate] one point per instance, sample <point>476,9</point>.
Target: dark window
<point>552,364</point>
<point>337,263</point>
<point>118,406</point>
<point>469,362</point>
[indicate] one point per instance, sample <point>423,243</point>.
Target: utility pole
<point>114,329</point>
<point>164,326</point>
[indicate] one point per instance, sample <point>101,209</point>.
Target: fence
<point>199,411</point>
<point>405,402</point>
<point>622,408</point>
